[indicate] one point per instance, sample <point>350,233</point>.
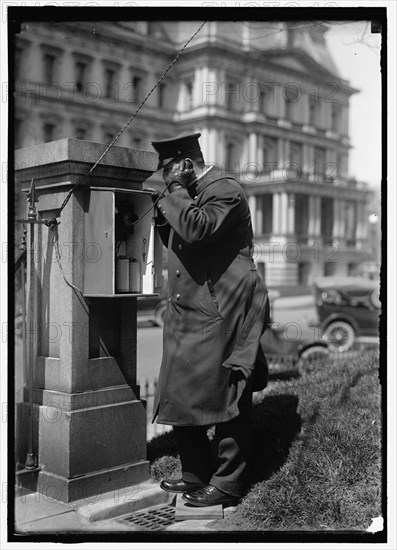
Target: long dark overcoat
<point>217,304</point>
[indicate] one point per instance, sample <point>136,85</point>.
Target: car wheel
<point>159,314</point>
<point>314,351</point>
<point>339,335</point>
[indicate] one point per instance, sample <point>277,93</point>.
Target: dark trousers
<point>233,438</point>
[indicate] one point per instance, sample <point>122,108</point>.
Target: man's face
<point>169,172</point>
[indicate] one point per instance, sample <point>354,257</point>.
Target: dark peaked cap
<point>180,146</point>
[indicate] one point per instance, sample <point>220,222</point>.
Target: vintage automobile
<point>339,312</point>
<point>348,308</point>
<point>293,331</point>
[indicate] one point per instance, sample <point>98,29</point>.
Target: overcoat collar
<point>212,175</point>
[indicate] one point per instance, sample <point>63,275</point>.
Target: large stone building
<point>267,98</point>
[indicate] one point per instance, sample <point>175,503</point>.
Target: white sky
<point>357,54</point>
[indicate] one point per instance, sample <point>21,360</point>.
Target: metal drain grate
<point>154,519</point>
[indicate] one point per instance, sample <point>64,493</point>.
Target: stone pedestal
<point>89,422</point>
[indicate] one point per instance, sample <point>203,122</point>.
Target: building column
<point>252,207</point>
<point>286,154</point>
<point>221,152</point>
<point>306,158</point>
<point>317,229</point>
<point>246,150</point>
<point>206,89</point>
<point>336,224</point>
<point>342,219</point>
<point>314,216</point>
<point>283,213</point>
<point>260,152</point>
<point>197,88</point>
<point>276,214</point>
<point>181,105</point>
<point>211,155</point>
<point>259,216</point>
<point>305,108</point>
<point>205,145</point>
<point>291,214</point>
<point>216,84</point>
<point>361,223</point>
<point>253,148</point>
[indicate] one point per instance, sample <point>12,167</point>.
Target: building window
<point>161,95</point>
<point>319,162</point>
<point>314,107</point>
<point>189,94</point>
<point>335,117</point>
<point>49,67</point>
<point>296,153</point>
<point>49,131</point>
<point>263,99</point>
<point>265,204</point>
<point>303,273</point>
<point>352,269</point>
<point>269,154</point>
<point>110,81</point>
<point>289,105</point>
<point>231,94</point>
<point>230,150</point>
<point>136,143</point>
<point>329,269</point>
<point>327,219</point>
<point>81,133</point>
<point>301,217</point>
<point>81,75</point>
<point>137,88</point>
<point>350,223</point>
<point>108,136</point>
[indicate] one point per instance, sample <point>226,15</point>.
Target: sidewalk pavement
<point>36,513</point>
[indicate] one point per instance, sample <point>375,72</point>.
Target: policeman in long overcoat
<point>217,311</point>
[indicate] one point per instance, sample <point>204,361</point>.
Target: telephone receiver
<point>185,164</point>
<point>185,173</point>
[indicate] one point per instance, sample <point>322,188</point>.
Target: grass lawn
<point>316,452</point>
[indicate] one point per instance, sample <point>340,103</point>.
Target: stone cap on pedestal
<point>66,161</point>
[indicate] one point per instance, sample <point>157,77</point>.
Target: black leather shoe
<point>210,496</point>
<point>180,486</point>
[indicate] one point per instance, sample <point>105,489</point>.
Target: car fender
<point>339,317</point>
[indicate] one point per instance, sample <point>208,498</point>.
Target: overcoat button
<point>163,212</point>
<point>169,299</point>
<point>178,273</point>
<point>180,246</point>
<point>178,296</point>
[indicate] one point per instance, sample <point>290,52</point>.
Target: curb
<point>123,501</point>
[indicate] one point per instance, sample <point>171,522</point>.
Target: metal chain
<point>128,123</point>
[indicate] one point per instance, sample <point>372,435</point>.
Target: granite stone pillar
<point>89,422</point>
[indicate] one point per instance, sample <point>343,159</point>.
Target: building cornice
<point>126,38</point>
<point>251,60</point>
